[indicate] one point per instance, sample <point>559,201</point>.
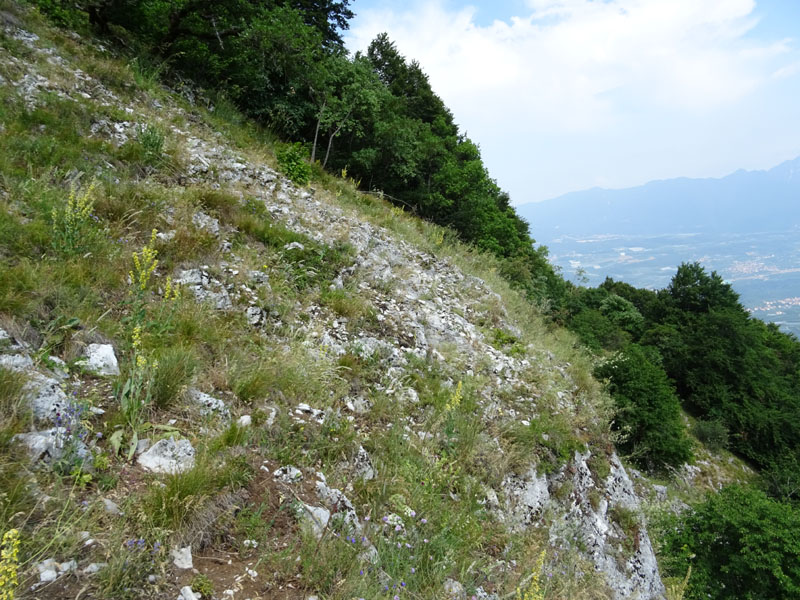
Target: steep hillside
<point>216,383</point>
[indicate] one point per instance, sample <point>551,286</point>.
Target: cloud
<point>568,64</point>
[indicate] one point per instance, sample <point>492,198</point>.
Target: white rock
<point>315,517</point>
<point>202,221</point>
<point>46,396</point>
<point>101,360</point>
<point>48,575</point>
<point>208,404</point>
<point>182,557</point>
<point>168,456</point>
<point>16,362</point>
<point>48,445</point>
<point>453,590</point>
<point>288,474</point>
<point>362,465</point>
<point>94,568</point>
<point>66,567</point>
<point>525,497</point>
<point>294,246</point>
<point>188,594</point>
<point>255,316</point>
<point>111,507</point>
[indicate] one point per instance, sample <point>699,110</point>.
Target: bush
<point>291,159</point>
<point>740,544</point>
<point>713,434</point>
<point>648,411</point>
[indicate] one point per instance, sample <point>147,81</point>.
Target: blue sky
<point>565,95</point>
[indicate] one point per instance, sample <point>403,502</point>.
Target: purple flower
<point>423,521</point>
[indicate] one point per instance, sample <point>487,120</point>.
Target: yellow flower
<point>9,564</point>
<point>534,591</point>
<point>455,398</point>
<point>145,262</point>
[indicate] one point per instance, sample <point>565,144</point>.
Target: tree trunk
<point>333,135</point>
<point>316,134</point>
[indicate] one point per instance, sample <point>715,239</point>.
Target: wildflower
<point>413,570</point>
<point>9,564</point>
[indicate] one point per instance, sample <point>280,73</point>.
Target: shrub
<point>648,411</point>
<point>740,544</point>
<point>291,160</point>
<point>713,434</point>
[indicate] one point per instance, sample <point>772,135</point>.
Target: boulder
<point>168,456</point>
<point>101,360</point>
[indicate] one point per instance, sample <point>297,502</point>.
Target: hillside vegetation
<point>230,371</point>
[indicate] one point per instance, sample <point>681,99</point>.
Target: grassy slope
<point>65,283</point>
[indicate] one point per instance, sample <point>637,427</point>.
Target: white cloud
<point>585,71</point>
<point>561,64</point>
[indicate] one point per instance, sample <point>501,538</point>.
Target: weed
<point>73,224</point>
<point>126,575</point>
<point>201,584</point>
<point>71,434</point>
<point>174,371</point>
<point>9,564</point>
<point>291,159</point>
<point>534,590</point>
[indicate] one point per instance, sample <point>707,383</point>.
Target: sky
<point>564,95</point>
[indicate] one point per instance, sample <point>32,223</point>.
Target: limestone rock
<point>453,590</point>
<point>525,498</point>
<point>288,474</point>
<point>168,456</point>
<point>208,404</point>
<point>202,221</point>
<point>101,360</point>
<point>49,445</point>
<point>188,594</point>
<point>362,465</point>
<point>205,288</point>
<point>182,557</point>
<point>316,518</point>
<point>46,397</point>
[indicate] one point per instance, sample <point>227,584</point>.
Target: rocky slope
<point>540,473</point>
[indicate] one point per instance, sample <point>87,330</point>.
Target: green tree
<point>647,409</point>
<point>740,544</point>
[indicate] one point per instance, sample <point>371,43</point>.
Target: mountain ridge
<point>678,205</point>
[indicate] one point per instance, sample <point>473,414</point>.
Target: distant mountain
<point>742,202</point>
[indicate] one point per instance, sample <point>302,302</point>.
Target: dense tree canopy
<point>740,545</point>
